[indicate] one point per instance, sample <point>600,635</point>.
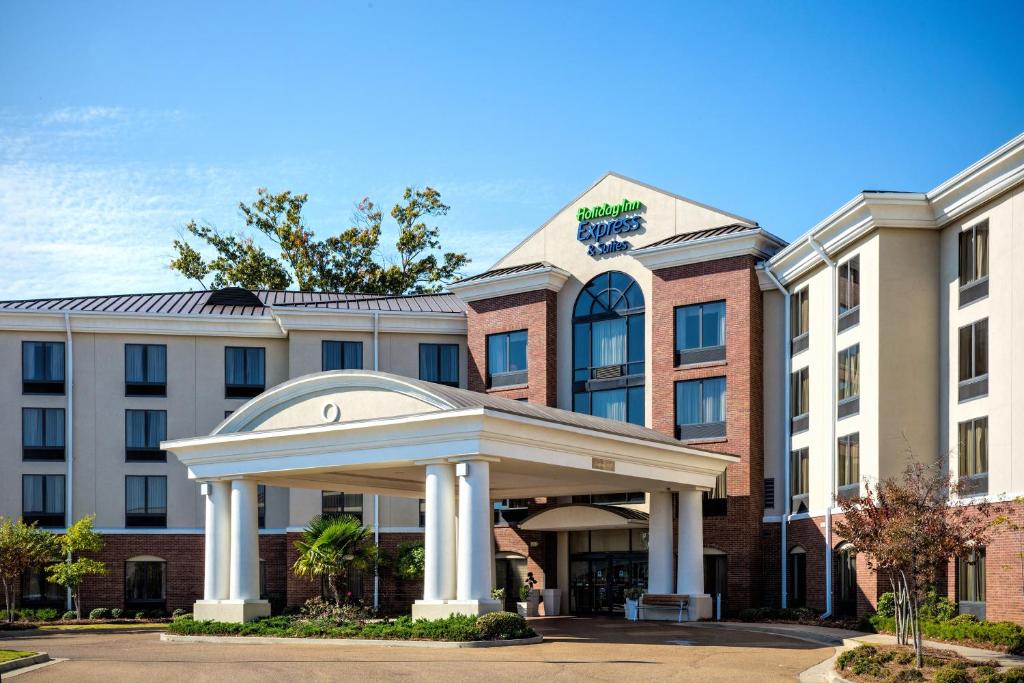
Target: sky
<point>120,122</point>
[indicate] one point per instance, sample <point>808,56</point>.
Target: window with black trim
<point>700,333</point>
<point>143,432</point>
<point>849,293</point>
<point>700,409</point>
<point>440,363</point>
<point>624,498</point>
<point>145,584</point>
<point>799,480</point>
<point>37,591</point>
<point>973,371</point>
<point>145,370</point>
<point>800,397</point>
<point>42,434</point>
<point>42,499</point>
<point>145,501</point>
<point>42,367</point>
<point>261,505</point>
<point>970,583</point>
<point>973,458</point>
<point>800,320</point>
<point>339,503</point>
<point>974,263</point>
<point>848,465</point>
<point>510,511</point>
<point>341,355</point>
<point>796,577</point>
<point>848,385</point>
<point>714,503</point>
<point>506,359</point>
<point>423,512</point>
<point>244,371</point>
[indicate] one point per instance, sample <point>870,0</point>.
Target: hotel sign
<point>621,218</point>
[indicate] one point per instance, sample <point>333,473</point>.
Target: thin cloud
<point>83,115</point>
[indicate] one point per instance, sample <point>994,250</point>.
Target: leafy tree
<point>331,547</point>
<point>350,261</point>
<point>79,538</point>
<point>410,560</point>
<point>907,530</point>
<point>22,547</point>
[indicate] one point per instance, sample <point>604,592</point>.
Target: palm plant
<point>332,546</point>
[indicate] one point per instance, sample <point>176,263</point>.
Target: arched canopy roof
<point>585,516</point>
<point>359,430</point>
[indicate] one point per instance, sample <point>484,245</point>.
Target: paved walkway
<point>574,649</point>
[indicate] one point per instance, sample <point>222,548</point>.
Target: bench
<point>663,601</point>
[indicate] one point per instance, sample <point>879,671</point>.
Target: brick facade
<point>535,312</point>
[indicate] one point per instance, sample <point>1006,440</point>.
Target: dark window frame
<point>799,323</point>
<point>971,591</point>
<point>43,518</point>
<point>848,391</point>
<point>44,453</point>
<point>847,479</point>
<point>147,519</point>
<point>146,387</point>
<point>715,503</point>
<point>848,315</point>
<point>144,453</point>
<point>702,353</point>
<point>799,480</point>
<point>247,389</point>
<point>57,593</point>
<point>261,506</point>
<point>358,514</point>
<point>974,479</point>
<point>146,603</point>
<point>46,385</point>
<point>436,349</point>
<point>510,378</point>
<point>704,430</point>
<point>971,382</point>
<point>343,347</point>
<point>973,283</point>
<point>799,395</point>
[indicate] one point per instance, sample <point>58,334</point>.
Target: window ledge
<point>720,439</point>
<point>510,387</point>
<point>697,366</point>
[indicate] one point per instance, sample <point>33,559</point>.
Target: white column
<point>659,543</point>
<point>439,533</point>
<point>690,579</point>
<point>245,540</point>
<point>475,521</point>
<point>218,543</point>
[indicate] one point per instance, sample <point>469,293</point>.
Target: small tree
<point>410,560</point>
<point>71,573</point>
<point>331,547</point>
<point>907,529</point>
<point>22,547</point>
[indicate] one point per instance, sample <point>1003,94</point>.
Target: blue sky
<point>119,122</point>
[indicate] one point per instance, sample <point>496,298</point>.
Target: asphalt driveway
<point>574,649</point>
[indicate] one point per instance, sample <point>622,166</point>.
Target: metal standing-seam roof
<point>511,270</point>
<point>707,233</point>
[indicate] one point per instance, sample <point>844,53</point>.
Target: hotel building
<point>802,369</point>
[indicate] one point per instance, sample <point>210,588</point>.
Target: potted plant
<point>633,603</point>
<point>528,601</point>
<point>499,595</point>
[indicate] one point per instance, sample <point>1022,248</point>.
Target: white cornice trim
<point>759,243</point>
<point>399,322</point>
<point>134,323</point>
<point>547,277</point>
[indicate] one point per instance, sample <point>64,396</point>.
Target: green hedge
<point>460,628</point>
<point>1005,634</point>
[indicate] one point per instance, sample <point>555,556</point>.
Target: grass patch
<point>1000,635</point>
<point>456,628</point>
<point>9,655</point>
<point>891,664</point>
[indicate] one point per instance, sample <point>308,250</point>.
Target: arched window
<point>608,349</point>
<point>145,583</point>
<point>796,577</point>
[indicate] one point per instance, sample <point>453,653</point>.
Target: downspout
<point>376,497</point>
<point>786,436</point>
<point>832,420</point>
<point>69,433</point>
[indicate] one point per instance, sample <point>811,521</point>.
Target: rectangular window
<point>341,355</point>
<point>800,320</point>
<point>145,501</point>
<point>974,263</point>
<point>145,370</point>
<point>42,433</point>
<point>42,367</point>
<point>143,432</point>
<point>37,591</point>
<point>973,470</point>
<point>700,333</point>
<point>423,512</point>
<point>506,359</point>
<point>800,397</point>
<point>261,505</point>
<point>970,583</point>
<point>973,360</point>
<point>42,499</point>
<point>338,503</point>
<point>145,584</point>
<point>848,465</point>
<point>244,371</point>
<point>700,409</point>
<point>440,363</point>
<point>799,478</point>
<point>624,498</point>
<point>714,503</point>
<point>849,293</point>
<point>848,369</point>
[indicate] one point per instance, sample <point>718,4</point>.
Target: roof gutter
<point>376,496</point>
<point>69,432</point>
<point>832,421</point>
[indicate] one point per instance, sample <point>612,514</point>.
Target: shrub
<point>99,613</point>
<point>1004,634</point>
<point>178,613</point>
<point>1014,675</point>
<point>140,614</point>
<point>524,592</point>
<point>886,605</point>
<point>498,594</point>
<point>906,676</point>
<point>905,658</point>
<point>857,654</point>
<point>44,613</point>
<point>964,619</point>
<point>503,626</point>
<point>951,674</point>
<point>116,613</point>
<point>70,615</point>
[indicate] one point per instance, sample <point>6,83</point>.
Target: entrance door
<point>581,598</point>
<point>510,574</point>
<point>716,572</point>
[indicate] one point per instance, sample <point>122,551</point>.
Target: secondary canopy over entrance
<point>372,432</point>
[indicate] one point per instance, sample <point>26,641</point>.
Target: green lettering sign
<point>607,210</point>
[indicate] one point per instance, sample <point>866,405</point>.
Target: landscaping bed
<point>1005,636</point>
<point>10,655</point>
<point>456,628</point>
<point>894,664</point>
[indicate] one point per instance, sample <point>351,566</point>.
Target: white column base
<point>439,609</point>
<point>230,611</point>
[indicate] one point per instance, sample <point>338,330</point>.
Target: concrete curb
<point>265,640</point>
<point>23,662</point>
